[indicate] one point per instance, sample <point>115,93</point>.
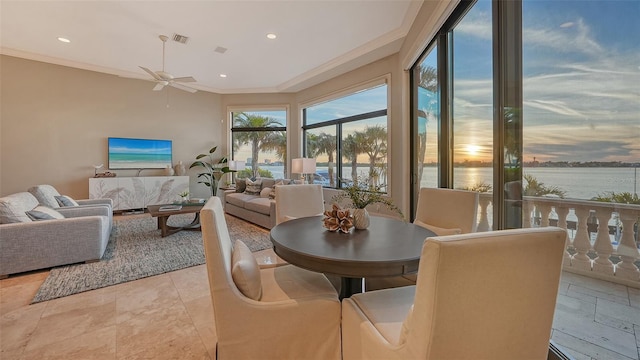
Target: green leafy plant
<point>538,188</point>
<point>480,187</point>
<point>363,192</point>
<point>621,198</point>
<point>213,169</point>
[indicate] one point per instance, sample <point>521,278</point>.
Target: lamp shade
<point>303,166</point>
<point>236,165</point>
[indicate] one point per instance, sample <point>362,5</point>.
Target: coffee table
<point>389,247</point>
<point>163,216</point>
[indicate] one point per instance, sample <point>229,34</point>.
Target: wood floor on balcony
<point>169,316</point>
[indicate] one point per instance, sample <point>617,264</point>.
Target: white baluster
<point>627,248</point>
<point>581,242</point>
<point>562,212</point>
<point>483,224</point>
<point>526,213</point>
<point>545,210</point>
<point>602,264</point>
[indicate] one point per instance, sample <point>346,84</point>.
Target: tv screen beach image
<point>139,153</point>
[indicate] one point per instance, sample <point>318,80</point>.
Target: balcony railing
<point>608,252</point>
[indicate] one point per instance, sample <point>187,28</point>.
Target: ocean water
<point>578,183</point>
<point>135,161</point>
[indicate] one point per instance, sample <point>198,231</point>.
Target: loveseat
<point>74,234</point>
<point>257,206</point>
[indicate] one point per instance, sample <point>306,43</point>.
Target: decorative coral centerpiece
<point>338,219</point>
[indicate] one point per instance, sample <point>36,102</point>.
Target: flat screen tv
<point>125,153</point>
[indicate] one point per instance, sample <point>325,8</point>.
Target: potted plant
<point>213,170</point>
<point>362,192</point>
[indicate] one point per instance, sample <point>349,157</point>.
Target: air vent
<point>220,49</point>
<point>180,38</point>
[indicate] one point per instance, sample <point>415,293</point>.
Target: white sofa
<point>25,245</point>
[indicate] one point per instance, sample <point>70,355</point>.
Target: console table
<point>139,192</point>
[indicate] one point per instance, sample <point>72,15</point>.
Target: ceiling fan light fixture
<point>223,75</point>
<point>64,39</point>
<point>271,36</point>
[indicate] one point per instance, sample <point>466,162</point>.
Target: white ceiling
<point>317,39</point>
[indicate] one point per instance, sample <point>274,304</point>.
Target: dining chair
<point>296,201</point>
<point>283,312</point>
<point>292,201</point>
<point>488,295</point>
<point>447,211</point>
<point>443,211</point>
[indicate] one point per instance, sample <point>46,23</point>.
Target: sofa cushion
<point>64,200</point>
<point>241,185</point>
<point>46,195</point>
<point>253,187</point>
<point>239,199</point>
<point>268,182</point>
<point>14,207</point>
<point>264,193</point>
<point>245,271</point>
<point>42,212</point>
<point>259,205</point>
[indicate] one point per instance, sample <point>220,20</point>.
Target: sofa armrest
<point>79,211</point>
<point>105,201</point>
<point>42,244</point>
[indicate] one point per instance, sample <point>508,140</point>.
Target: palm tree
<point>326,144</point>
<point>278,144</point>
<point>375,146</point>
<point>257,139</point>
<point>352,146</point>
<point>427,79</point>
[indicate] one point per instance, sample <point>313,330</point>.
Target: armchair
<point>487,295</point>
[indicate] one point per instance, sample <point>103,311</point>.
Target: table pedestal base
<point>350,286</point>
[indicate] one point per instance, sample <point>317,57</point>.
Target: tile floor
<point>169,316</point>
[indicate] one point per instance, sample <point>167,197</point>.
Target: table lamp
<point>235,166</point>
<point>303,166</point>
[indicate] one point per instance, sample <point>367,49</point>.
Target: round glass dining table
<point>389,247</point>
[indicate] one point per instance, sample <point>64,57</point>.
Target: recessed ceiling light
<point>223,75</point>
<point>64,40</point>
<point>271,36</point>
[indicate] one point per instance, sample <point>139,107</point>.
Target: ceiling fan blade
<point>185,79</point>
<point>182,87</point>
<point>158,87</point>
<point>155,76</point>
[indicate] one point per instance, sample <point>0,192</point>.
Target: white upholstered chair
<point>296,201</point>
<point>443,211</point>
<point>488,295</point>
<point>292,201</point>
<point>447,211</point>
<point>283,312</point>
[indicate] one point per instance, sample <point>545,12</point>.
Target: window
<point>259,138</point>
<point>534,98</point>
<point>348,137</point>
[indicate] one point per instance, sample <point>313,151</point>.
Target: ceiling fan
<point>163,78</point>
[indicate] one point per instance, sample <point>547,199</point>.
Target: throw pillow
<point>245,271</point>
<point>253,187</point>
<point>41,212</point>
<point>438,230</point>
<point>264,193</point>
<point>64,200</point>
<point>241,185</point>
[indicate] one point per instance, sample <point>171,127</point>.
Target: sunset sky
<point>581,87</point>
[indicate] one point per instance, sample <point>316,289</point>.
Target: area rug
<point>136,250</point>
